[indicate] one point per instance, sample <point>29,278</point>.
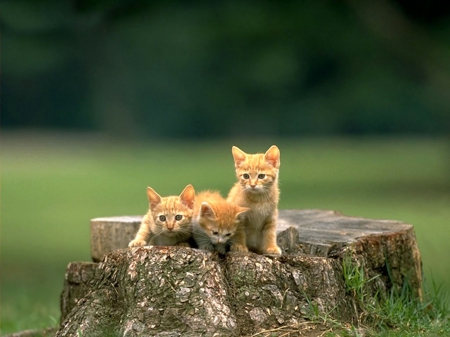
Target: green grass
<point>384,314</point>
<point>51,186</point>
<point>397,312</point>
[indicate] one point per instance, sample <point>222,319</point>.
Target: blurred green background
<point>101,99</point>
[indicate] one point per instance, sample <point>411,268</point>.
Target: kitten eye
<point>261,176</point>
<point>162,218</point>
<point>178,217</point>
<point>246,176</point>
<point>215,233</point>
<point>228,235</point>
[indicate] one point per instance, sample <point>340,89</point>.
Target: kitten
<point>217,223</point>
<point>257,188</point>
<point>168,220</point>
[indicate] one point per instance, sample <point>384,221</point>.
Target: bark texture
<point>110,234</point>
<point>179,291</point>
<point>385,247</point>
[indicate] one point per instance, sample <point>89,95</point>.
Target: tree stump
<point>179,291</point>
<point>110,234</point>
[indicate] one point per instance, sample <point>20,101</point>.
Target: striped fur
<point>257,189</point>
<point>168,221</point>
<point>217,223</point>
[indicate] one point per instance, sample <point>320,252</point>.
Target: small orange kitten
<point>168,220</point>
<point>217,223</point>
<point>257,189</point>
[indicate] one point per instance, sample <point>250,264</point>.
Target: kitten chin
<point>257,189</point>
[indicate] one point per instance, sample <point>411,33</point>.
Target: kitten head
<point>220,220</point>
<point>172,215</point>
<point>257,172</point>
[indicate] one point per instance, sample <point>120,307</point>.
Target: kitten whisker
<point>184,231</point>
<point>157,233</point>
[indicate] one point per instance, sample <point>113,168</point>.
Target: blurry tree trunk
<point>174,291</point>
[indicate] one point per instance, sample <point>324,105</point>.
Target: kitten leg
<point>141,238</point>
<point>208,246</point>
<point>142,235</point>
<point>221,248</point>
<point>238,242</point>
<point>269,238</point>
<point>238,248</point>
<point>139,241</point>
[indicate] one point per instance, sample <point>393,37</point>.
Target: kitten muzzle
<point>253,189</point>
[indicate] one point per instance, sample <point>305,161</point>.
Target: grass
<point>52,185</point>
<point>398,312</point>
<point>384,314</point>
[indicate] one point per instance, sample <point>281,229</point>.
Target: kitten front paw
<point>275,250</point>
<point>238,248</point>
<point>208,247</point>
<point>137,243</point>
<point>221,248</point>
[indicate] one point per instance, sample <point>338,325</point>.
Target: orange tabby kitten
<point>257,188</point>
<point>217,223</point>
<point>168,221</point>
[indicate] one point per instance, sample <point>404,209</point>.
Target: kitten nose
<point>170,226</point>
<point>253,184</point>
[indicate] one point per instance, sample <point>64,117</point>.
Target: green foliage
<point>53,185</point>
<point>221,69</point>
<point>356,281</point>
<point>397,313</point>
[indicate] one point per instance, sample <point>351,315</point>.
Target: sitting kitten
<point>257,188</point>
<point>217,223</point>
<point>168,221</point>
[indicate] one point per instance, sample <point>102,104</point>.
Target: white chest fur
<point>257,218</point>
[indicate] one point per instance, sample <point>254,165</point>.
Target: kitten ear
<point>272,156</point>
<point>187,197</point>
<point>241,212</point>
<point>238,155</point>
<point>153,197</point>
<point>206,211</point>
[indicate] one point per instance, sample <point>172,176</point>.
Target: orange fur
<point>257,189</point>
<point>217,223</point>
<point>168,220</point>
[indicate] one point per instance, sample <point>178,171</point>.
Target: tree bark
<point>110,234</point>
<point>179,291</point>
<point>387,248</point>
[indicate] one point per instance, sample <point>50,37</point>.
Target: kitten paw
<point>238,248</point>
<point>208,247</point>
<point>137,243</point>
<point>275,250</point>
